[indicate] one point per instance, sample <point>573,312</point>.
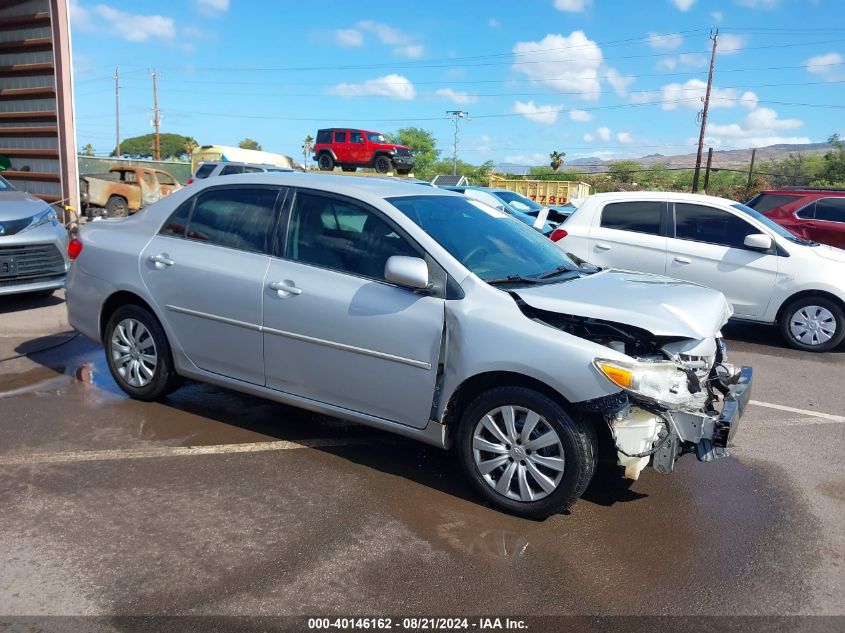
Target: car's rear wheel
<point>524,453</point>
<point>117,207</point>
<point>325,162</point>
<point>138,354</point>
<point>813,324</point>
<point>382,164</point>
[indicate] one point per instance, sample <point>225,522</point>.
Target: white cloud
<point>137,28</point>
<point>493,23</point>
<point>683,5</point>
<point>213,7</point>
<point>619,82</point>
<point>730,44</point>
<point>80,16</point>
<point>588,137</point>
<point>567,64</point>
<point>580,115</point>
<point>461,98</point>
<point>667,41</point>
<point>412,51</point>
<point>625,137</point>
<point>690,95</point>
<point>717,17</point>
<point>758,129</point>
<point>643,96</point>
<point>604,133</point>
<point>391,86</point>
<point>349,37</point>
<point>693,60</point>
<point>668,63</point>
<point>830,66</point>
<point>572,6</point>
<point>546,114</point>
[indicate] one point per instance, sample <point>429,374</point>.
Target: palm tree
<point>556,159</point>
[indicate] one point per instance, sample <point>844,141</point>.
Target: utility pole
<point>750,172</point>
<point>157,146</point>
<point>707,169</point>
<point>456,115</point>
<point>117,110</point>
<point>714,36</point>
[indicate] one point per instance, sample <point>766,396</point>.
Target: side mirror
<point>758,242</point>
<point>410,272</point>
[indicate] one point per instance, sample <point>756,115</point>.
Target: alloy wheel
<point>812,325</point>
<point>518,453</point>
<point>134,352</point>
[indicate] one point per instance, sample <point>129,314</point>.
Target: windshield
<point>5,186</point>
<point>374,137</point>
<point>491,244</point>
<point>773,226</point>
<point>520,202</point>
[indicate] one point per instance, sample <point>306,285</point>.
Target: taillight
<point>190,180</point>
<point>74,248</point>
<point>557,235</point>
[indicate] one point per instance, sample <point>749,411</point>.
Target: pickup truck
<point>124,190</point>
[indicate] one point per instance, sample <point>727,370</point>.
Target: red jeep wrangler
<point>350,149</point>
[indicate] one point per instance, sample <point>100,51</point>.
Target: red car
<point>350,148</point>
<point>814,214</point>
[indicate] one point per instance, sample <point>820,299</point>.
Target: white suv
<point>766,272</point>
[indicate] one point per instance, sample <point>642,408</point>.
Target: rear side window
<point>235,217</point>
<point>699,223</point>
<point>767,201</point>
<point>808,212</point>
<point>340,137</point>
<point>324,136</point>
<point>178,222</point>
<point>831,209</point>
<point>639,217</point>
<point>232,169</point>
<point>204,171</point>
<point>252,170</point>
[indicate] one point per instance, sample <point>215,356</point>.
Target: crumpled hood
<point>660,305</point>
<point>17,205</point>
<point>829,252</point>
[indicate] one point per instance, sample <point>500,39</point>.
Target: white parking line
<point>805,412</point>
<point>168,451</point>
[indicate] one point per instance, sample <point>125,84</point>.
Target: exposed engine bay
<point>689,403</point>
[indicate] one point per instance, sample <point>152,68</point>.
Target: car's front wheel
<point>382,164</point>
<point>813,324</point>
<point>523,452</point>
<point>138,354</point>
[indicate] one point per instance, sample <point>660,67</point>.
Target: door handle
<point>683,260</point>
<point>161,260</point>
<point>602,246</point>
<point>286,287</point>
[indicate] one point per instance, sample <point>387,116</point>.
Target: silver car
<point>417,311</point>
<point>33,244</point>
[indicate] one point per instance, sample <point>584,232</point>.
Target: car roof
<point>239,163</point>
<point>810,191</point>
<point>674,196</point>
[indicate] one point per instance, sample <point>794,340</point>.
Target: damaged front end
<point>678,395</point>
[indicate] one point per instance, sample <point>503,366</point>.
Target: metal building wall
<point>36,99</point>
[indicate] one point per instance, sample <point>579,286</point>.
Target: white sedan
<point>766,272</point>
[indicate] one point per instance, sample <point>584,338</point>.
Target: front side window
<point>234,217</point>
<point>333,233</point>
<point>356,137</point>
<point>177,223</point>
<point>638,217</point>
<point>340,137</point>
<point>830,209</point>
<point>375,137</point>
<point>700,223</point>
<point>808,212</point>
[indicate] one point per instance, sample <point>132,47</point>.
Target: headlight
<point>47,215</point>
<point>661,382</point>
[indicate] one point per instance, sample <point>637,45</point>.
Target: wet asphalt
<point>105,509</point>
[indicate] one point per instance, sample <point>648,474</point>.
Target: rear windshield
<point>763,202</point>
<point>204,171</point>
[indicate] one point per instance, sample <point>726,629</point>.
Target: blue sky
<point>606,78</point>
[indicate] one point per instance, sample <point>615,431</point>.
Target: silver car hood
<point>660,305</point>
<point>16,205</point>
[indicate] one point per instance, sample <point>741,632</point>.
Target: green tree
<point>423,145</point>
<point>834,161</point>
<point>172,146</point>
<point>623,170</point>
<point>556,159</point>
<point>189,146</point>
<point>88,150</point>
<point>249,143</point>
<point>307,146</point>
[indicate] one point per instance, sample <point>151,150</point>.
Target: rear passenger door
<point>630,235</point>
<point>340,146</point>
<point>205,271</point>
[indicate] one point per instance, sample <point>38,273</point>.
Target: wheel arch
<point>806,294</point>
<point>118,300</point>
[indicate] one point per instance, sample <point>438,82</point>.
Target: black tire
<point>164,379</point>
<point>576,438</point>
<point>117,207</point>
<point>382,164</point>
<point>325,162</point>
<point>349,168</point>
<point>797,311</point>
